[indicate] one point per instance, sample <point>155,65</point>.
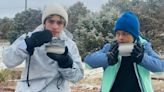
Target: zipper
<point>138,77</point>
<point>119,64</point>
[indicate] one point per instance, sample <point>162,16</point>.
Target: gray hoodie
<point>44,73</point>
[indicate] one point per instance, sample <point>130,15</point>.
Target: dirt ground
<point>90,83</point>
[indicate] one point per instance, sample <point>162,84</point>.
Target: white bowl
<point>125,49</point>
<point>55,49</point>
<point>56,46</point>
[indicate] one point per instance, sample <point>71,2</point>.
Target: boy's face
<point>55,24</point>
<point>124,37</point>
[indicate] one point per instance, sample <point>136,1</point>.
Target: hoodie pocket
<point>36,85</point>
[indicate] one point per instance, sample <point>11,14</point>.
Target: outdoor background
<point>90,28</point>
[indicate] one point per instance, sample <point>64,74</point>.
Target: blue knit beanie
<point>128,22</point>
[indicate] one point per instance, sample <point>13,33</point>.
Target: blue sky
<point>8,8</point>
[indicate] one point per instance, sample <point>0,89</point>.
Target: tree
<point>76,11</point>
<point>5,25</point>
<point>94,30</point>
<point>87,42</point>
<point>119,5</point>
<point>24,22</point>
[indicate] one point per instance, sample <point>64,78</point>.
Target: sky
<point>8,8</point>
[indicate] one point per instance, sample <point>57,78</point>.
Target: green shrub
<point>4,75</point>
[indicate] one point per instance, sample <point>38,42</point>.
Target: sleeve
<point>151,60</point>
<point>75,73</point>
<point>99,58</point>
<point>16,53</point>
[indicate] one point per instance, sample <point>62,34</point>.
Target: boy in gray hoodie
<point>46,71</point>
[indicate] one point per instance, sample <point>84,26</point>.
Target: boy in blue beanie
<point>126,73</point>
